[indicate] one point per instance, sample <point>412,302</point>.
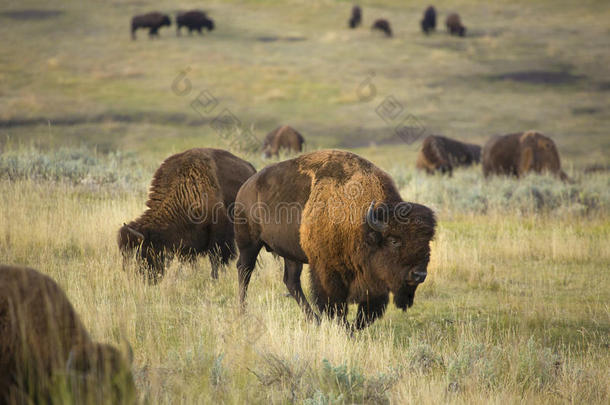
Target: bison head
<point>166,21</point>
<point>209,24</point>
<point>99,371</point>
<point>134,240</point>
<point>399,236</point>
<point>538,154</point>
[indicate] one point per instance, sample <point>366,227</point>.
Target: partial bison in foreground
<point>442,154</point>
<point>153,21</point>
<point>521,153</point>
<point>194,20</point>
<point>283,137</point>
<point>189,211</point>
<point>344,216</point>
<point>43,344</point>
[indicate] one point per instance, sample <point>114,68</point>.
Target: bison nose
<point>419,276</point>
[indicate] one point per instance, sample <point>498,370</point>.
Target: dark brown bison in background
<point>188,211</point>
<point>439,153</point>
<point>454,25</point>
<point>283,137</point>
<point>356,18</point>
<point>521,153</point>
<point>382,25</point>
<point>344,216</point>
<point>153,21</point>
<point>428,23</point>
<point>42,340</point>
<point>194,20</point>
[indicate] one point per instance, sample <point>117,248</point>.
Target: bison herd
<point>330,209</point>
<point>193,20</point>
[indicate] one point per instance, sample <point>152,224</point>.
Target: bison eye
<point>394,242</point>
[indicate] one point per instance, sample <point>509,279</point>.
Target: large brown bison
<point>428,23</point>
<point>520,153</point>
<point>194,20</point>
<point>43,342</point>
<point>382,25</point>
<point>454,25</point>
<point>442,154</point>
<point>188,211</point>
<point>344,216</point>
<point>356,17</point>
<point>283,137</point>
<point>153,21</point>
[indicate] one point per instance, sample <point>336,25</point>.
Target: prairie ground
<point>515,308</point>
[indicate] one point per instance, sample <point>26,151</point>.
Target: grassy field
<point>516,305</point>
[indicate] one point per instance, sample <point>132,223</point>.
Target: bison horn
<point>135,233</point>
<point>372,221</point>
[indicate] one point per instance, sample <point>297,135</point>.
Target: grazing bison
<point>188,211</point>
<point>429,21</point>
<point>194,20</point>
<point>520,153</point>
<point>356,18</point>
<point>153,21</point>
<point>344,216</point>
<point>454,25</point>
<point>382,25</point>
<point>439,153</point>
<point>283,137</point>
<point>42,338</point>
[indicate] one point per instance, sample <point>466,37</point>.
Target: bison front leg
<point>292,280</point>
<point>330,295</point>
<point>370,310</point>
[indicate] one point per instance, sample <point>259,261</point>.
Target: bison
<point>429,21</point>
<point>153,21</point>
<point>356,18</point>
<point>454,25</point>
<point>344,217</point>
<point>439,153</point>
<point>194,20</point>
<point>520,153</point>
<point>283,137</point>
<point>43,340</point>
<point>188,211</point>
<point>382,25</point>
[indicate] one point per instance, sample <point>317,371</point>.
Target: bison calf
<point>356,17</point>
<point>194,20</point>
<point>283,137</point>
<point>442,154</point>
<point>189,211</point>
<point>153,21</point>
<point>42,338</point>
<point>454,25</point>
<point>383,26</point>
<point>428,23</point>
<point>520,153</point>
<point>344,216</point>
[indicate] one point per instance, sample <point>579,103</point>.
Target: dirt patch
<point>284,39</point>
<point>539,77</point>
<point>31,14</point>
<point>585,110</point>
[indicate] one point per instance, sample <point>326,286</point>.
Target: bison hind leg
<point>221,254</point>
<point>292,280</point>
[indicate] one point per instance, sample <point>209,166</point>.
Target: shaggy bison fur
<point>454,25</point>
<point>189,211</point>
<point>153,21</point>
<point>283,137</point>
<point>442,154</point>
<point>194,20</point>
<point>428,23</point>
<point>43,340</point>
<point>382,25</point>
<point>521,153</point>
<point>356,18</point>
<point>344,217</point>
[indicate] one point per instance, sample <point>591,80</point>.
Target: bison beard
<point>378,247</point>
<point>188,212</point>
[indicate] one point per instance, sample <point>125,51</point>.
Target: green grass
<point>515,308</point>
